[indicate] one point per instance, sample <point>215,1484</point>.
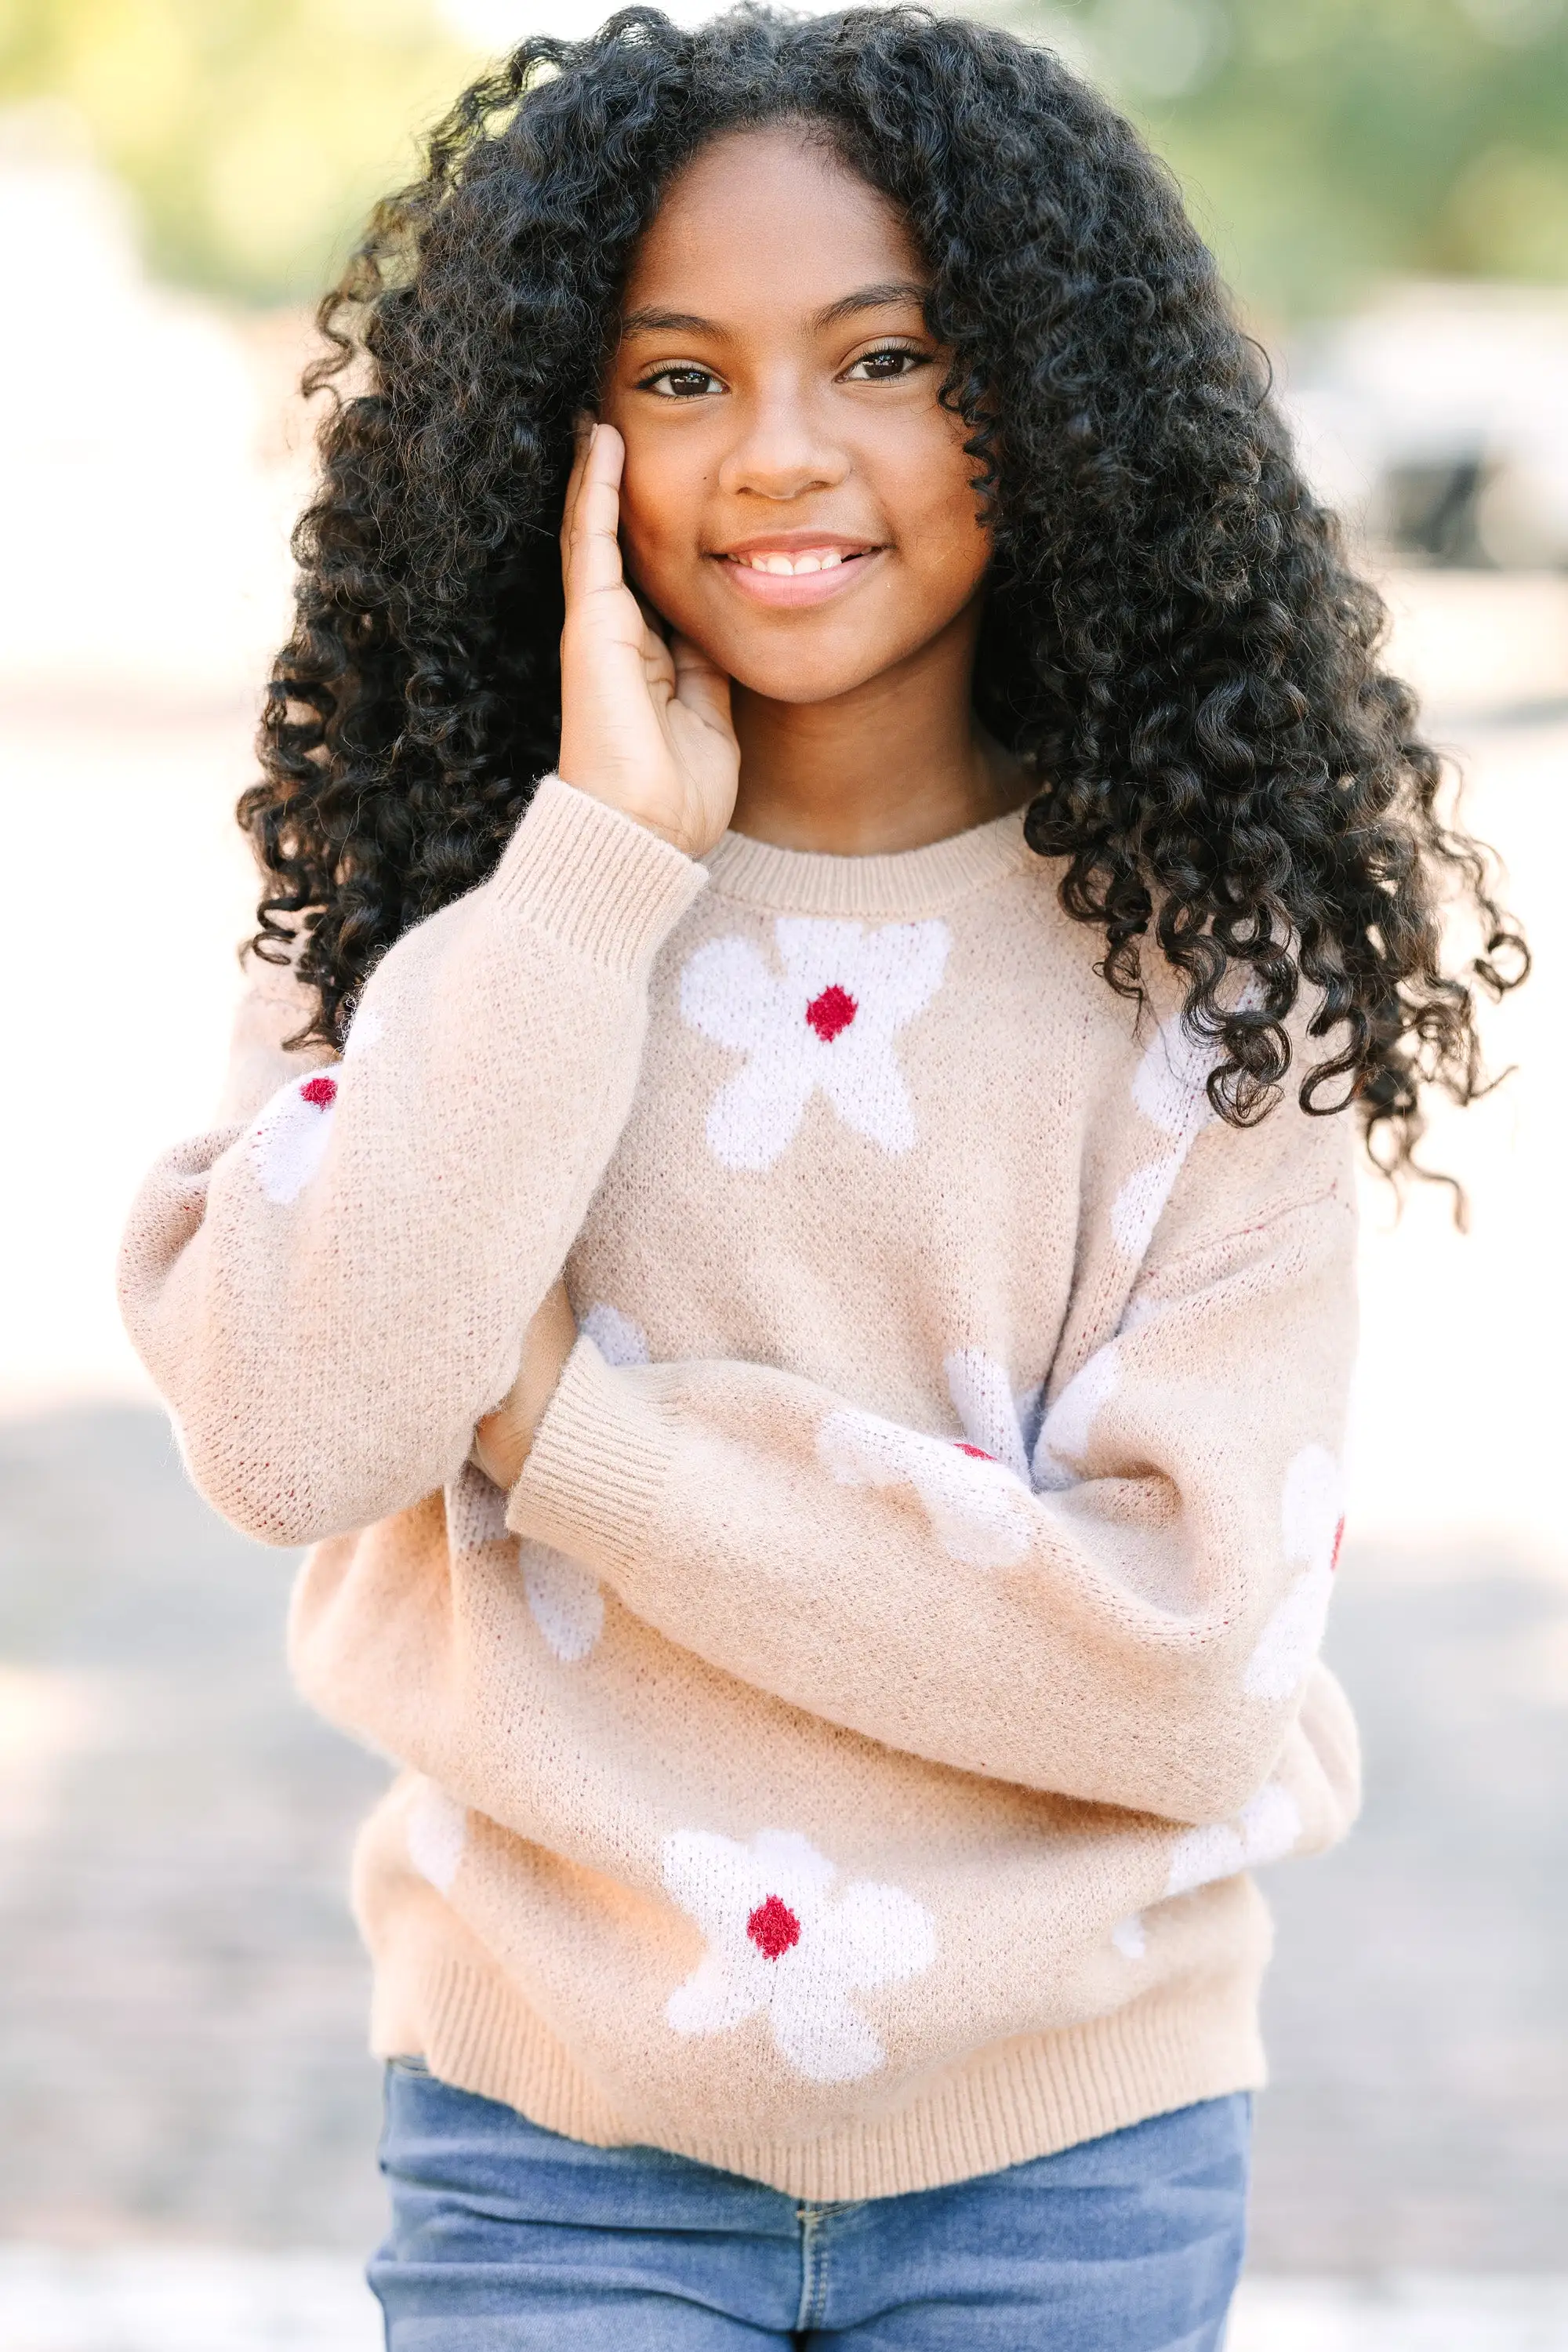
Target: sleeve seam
<point>1265,1222</point>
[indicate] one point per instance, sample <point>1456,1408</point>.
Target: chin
<point>801,682</point>
<point>784,659</point>
<point>795,670</point>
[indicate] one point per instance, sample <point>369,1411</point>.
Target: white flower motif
<point>289,1141</point>
<point>365,1030</point>
<point>1170,1087</point>
<point>476,1511</point>
<point>979,1509</point>
<point>1064,1433</point>
<point>827,1022</point>
<point>435,1829</point>
<point>1266,1830</point>
<point>618,1340</point>
<point>566,1601</point>
<point>990,1415</point>
<point>1311,1509</point>
<point>1312,1521</point>
<point>1039,1446</point>
<point>781,1944</point>
<point>563,1600</point>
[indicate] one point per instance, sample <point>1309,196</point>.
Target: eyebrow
<point>665,322</point>
<point>891,293</point>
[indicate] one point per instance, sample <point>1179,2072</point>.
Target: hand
<point>502,1439</point>
<point>645,723</point>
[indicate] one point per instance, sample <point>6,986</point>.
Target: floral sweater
<point>839,1758</point>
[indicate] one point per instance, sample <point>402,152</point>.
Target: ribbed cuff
<point>599,1458</point>
<point>595,879</point>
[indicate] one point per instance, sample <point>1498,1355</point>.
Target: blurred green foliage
<point>252,134</point>
<point>1321,142</point>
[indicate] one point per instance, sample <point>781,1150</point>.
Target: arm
<point>330,1292</point>
<point>332,1288</point>
<point>1140,1636</point>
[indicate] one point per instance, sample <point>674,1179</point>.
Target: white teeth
<point>785,567</point>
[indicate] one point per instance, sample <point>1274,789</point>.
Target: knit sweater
<point>839,1756</point>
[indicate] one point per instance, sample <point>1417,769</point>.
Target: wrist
<point>500,1448</point>
<point>504,1438</point>
<point>615,793</point>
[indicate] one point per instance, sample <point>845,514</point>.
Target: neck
<point>894,764</point>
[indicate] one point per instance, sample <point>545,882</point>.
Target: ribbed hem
<point>1022,2099</point>
<point>915,882</point>
<point>595,878</point>
<point>599,1458</point>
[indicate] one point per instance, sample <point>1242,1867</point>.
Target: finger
<point>596,512</point>
<point>556,1315</point>
<point>593,547</point>
<point>658,668</point>
<point>699,683</point>
<point>653,621</point>
<point>581,437</point>
<point>657,662</point>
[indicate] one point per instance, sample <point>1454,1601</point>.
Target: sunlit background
<point>186,2114</point>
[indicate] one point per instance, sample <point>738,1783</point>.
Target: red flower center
<point>978,1452</point>
<point>1338,1538</point>
<point>774,1927</point>
<point>831,1012</point>
<point>322,1092</point>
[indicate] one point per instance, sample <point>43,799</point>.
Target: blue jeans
<point>506,2238</point>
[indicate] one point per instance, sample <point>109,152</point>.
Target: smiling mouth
<point>802,571</point>
<point>806,560</point>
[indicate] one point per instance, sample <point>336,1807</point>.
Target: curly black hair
<point>1174,642</point>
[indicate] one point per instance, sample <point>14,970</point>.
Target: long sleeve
<point>1128,1614</point>
<point>330,1289</point>
<point>840,1757</point>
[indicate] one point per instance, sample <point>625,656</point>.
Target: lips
<point>796,567</point>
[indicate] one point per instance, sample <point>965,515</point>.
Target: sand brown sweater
<point>839,1756</point>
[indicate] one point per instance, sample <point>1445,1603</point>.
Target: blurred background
<point>186,2114</point>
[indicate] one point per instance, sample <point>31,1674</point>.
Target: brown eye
<point>888,366</point>
<point>681,383</point>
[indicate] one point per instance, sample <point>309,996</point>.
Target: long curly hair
<point>1174,643</point>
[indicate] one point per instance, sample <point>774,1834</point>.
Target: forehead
<point>768,221</point>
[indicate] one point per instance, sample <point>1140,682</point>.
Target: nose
<point>783,448</point>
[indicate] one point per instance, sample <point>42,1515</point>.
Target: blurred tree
<point>1325,141</point>
<point>253,134</point>
<point>1321,142</point>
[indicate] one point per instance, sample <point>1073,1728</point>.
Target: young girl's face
<point>796,499</point>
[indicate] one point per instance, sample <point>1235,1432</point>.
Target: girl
<point>784,1219</point>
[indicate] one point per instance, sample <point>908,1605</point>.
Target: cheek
<point>650,518</point>
<point>661,500</point>
<point>925,480</point>
<point>942,535</point>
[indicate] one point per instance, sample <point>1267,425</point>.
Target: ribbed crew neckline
<point>909,882</point>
